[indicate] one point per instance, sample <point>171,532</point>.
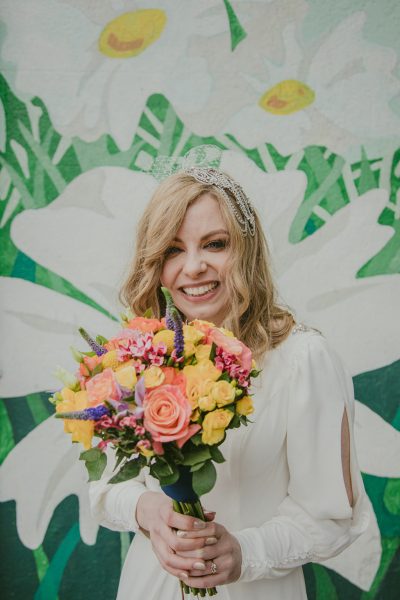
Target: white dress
<point>281,490</point>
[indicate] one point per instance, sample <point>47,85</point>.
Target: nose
<point>194,265</point>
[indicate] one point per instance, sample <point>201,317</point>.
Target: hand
<point>156,516</point>
<point>225,554</point>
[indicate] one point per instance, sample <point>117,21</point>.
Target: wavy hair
<point>255,316</point>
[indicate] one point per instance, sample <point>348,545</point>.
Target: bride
<point>290,491</point>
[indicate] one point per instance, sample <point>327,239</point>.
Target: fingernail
<point>183,575</point>
<point>199,525</point>
<point>210,513</point>
<point>181,533</point>
<point>211,540</point>
<point>199,565</point>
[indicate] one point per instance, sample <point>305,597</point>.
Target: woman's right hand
<point>156,518</point>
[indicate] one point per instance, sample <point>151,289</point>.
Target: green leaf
<point>100,339</point>
<point>149,314</point>
<point>196,455</point>
<point>216,454</point>
<point>196,439</point>
<point>204,479</point>
<point>224,377</point>
<point>194,468</point>
<point>129,470</point>
<point>161,468</point>
<point>95,463</point>
<point>213,351</point>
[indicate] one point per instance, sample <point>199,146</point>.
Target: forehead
<point>202,215</point>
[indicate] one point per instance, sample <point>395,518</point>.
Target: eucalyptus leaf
<point>204,479</point>
<point>170,479</point>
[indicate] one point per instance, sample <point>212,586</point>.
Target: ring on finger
<point>214,568</point>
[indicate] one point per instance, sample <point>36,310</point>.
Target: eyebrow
<point>208,235</point>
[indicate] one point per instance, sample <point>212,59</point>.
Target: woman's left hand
<point>223,558</point>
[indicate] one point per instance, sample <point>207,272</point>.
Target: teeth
<point>199,291</point>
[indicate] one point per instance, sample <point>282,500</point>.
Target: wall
<point>302,98</point>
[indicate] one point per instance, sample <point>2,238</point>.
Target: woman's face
<point>194,267</point>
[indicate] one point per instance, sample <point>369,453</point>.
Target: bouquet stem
<point>193,509</point>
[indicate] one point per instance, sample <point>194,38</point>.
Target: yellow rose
<point>81,431</point>
<point>167,337</point>
<point>126,377</point>
<point>214,426</point>
<point>203,352</point>
<point>153,376</point>
<point>195,415</point>
<point>193,392</point>
<point>244,406</point>
<point>110,360</point>
<point>191,334</point>
<point>202,371</point>
<point>206,403</point>
<point>189,349</point>
<point>127,363</point>
<point>223,393</point>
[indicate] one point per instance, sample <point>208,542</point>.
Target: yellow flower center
<point>287,97</point>
<point>131,33</point>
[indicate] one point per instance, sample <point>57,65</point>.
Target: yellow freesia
<point>110,360</point>
<point>191,334</point>
<point>81,431</point>
<point>126,377</point>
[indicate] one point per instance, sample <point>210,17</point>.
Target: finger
<point>212,529</point>
<point>180,545</point>
<point>205,553</point>
<point>184,522</point>
<point>209,515</point>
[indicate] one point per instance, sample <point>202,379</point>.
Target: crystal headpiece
<point>202,163</point>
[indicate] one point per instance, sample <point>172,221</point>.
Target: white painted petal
<point>359,563</point>
<point>38,474</point>
<point>87,235</point>
<point>361,322</point>
<point>38,327</point>
<point>377,443</point>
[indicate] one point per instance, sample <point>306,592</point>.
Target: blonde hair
<point>255,316</point>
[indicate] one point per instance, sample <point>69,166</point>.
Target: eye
<point>172,250</point>
<point>217,244</point>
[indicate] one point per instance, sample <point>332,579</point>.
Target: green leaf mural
<point>36,165</point>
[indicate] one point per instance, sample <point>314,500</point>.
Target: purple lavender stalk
<point>99,350</point>
<point>93,413</point>
<point>174,322</point>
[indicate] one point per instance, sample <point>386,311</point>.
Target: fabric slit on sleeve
<point>315,521</point>
<point>113,505</point>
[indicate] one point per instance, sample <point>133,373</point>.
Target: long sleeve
<point>315,521</point>
<point>113,505</point>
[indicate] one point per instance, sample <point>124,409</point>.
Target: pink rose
<point>233,346</point>
<point>167,415</point>
<point>102,387</point>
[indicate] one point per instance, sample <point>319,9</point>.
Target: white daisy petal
<point>39,325</point>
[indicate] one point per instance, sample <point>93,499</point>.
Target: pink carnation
<point>233,346</point>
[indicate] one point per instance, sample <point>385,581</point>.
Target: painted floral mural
<point>305,107</point>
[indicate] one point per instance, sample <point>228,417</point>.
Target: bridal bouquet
<point>163,394</point>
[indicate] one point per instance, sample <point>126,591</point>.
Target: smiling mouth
<point>200,290</point>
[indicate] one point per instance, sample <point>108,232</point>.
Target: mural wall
<point>303,99</point>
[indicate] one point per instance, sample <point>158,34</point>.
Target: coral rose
<point>167,415</point>
<point>102,387</point>
<point>145,325</point>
